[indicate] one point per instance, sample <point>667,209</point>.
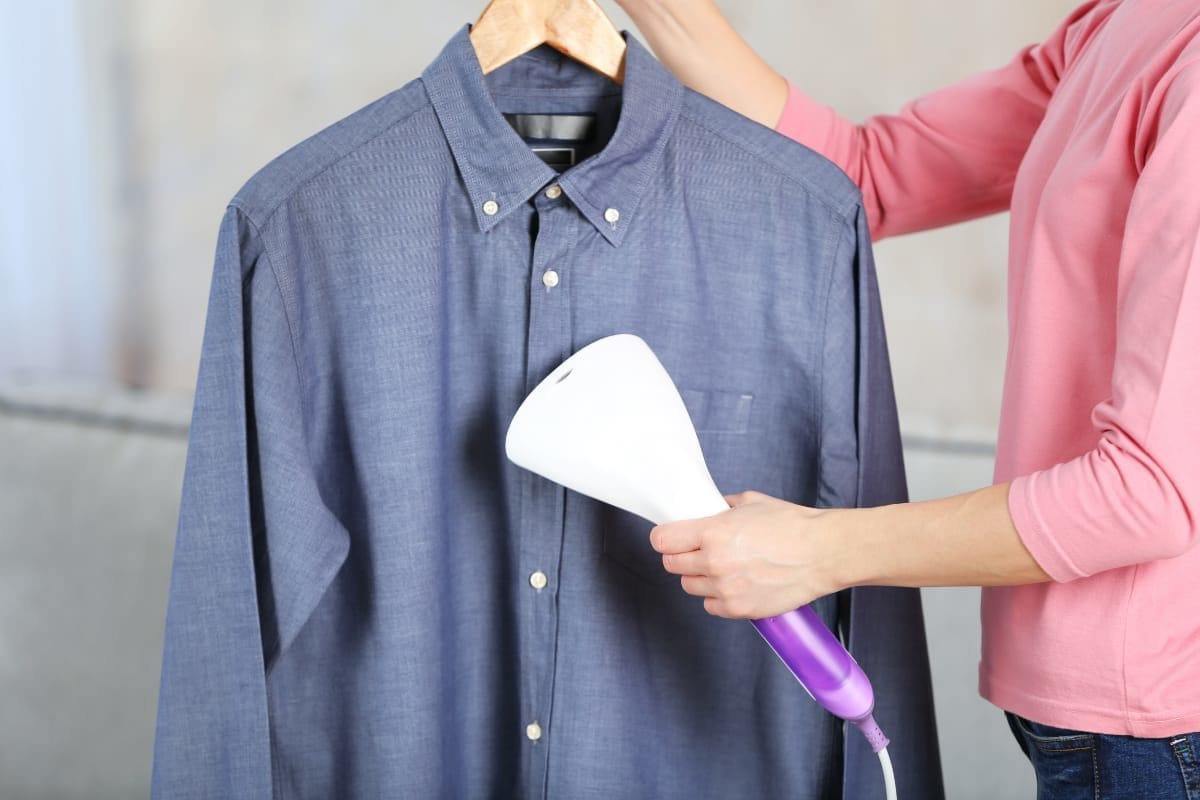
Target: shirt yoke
<point>273,184</point>
<point>818,177</point>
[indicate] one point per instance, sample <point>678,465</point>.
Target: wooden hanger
<point>579,28</point>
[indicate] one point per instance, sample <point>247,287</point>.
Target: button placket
<point>559,227</point>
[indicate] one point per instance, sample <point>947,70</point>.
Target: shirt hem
<point>1065,715</point>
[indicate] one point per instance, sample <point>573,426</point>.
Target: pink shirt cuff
<point>1033,531</point>
<point>810,123</point>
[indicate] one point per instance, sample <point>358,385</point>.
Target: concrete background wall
<point>126,125</point>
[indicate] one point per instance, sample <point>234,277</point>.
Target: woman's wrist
<point>836,536</point>
<point>966,540</point>
<point>695,41</point>
<point>634,8</point>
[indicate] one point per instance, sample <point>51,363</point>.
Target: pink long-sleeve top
<point>1092,139</point>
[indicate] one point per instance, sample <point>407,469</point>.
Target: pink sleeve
<point>1136,496</point>
<point>949,156</point>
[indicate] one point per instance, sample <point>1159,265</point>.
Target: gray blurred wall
<point>125,126</point>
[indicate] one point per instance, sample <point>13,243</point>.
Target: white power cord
<point>878,743</point>
<point>889,776</point>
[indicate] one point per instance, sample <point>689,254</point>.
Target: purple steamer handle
<point>824,668</point>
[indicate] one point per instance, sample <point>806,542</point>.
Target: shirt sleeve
<point>884,627</point>
<point>255,546</point>
<point>951,155</point>
<point>1135,497</point>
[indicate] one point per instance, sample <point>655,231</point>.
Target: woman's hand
<point>761,558</point>
<point>632,6</point>
<point>766,556</point>
<point>697,43</point>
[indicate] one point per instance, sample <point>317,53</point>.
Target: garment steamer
<point>609,423</point>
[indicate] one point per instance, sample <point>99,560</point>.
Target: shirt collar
<point>501,172</point>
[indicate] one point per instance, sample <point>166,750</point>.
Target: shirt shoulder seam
<point>320,169</point>
<point>811,189</point>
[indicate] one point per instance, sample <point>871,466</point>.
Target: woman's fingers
<point>697,585</point>
<point>677,537</point>
<point>720,608</point>
<point>692,563</point>
<point>742,498</point>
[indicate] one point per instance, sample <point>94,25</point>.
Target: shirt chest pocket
<point>722,420</point>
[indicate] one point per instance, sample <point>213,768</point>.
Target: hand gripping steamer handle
<point>609,423</point>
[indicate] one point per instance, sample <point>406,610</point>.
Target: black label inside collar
<point>560,127</point>
<point>560,158</point>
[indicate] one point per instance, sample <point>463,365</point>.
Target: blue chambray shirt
<point>368,600</point>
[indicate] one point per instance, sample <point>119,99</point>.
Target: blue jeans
<point>1075,765</point>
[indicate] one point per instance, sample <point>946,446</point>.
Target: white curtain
<point>55,279</point>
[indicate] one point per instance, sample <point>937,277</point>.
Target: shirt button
<point>491,207</point>
<point>533,731</point>
<point>612,215</point>
<point>554,192</point>
<point>538,580</point>
<point>550,278</point>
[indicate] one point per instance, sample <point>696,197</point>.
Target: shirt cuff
<point>806,121</point>
<point>1034,533</point>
